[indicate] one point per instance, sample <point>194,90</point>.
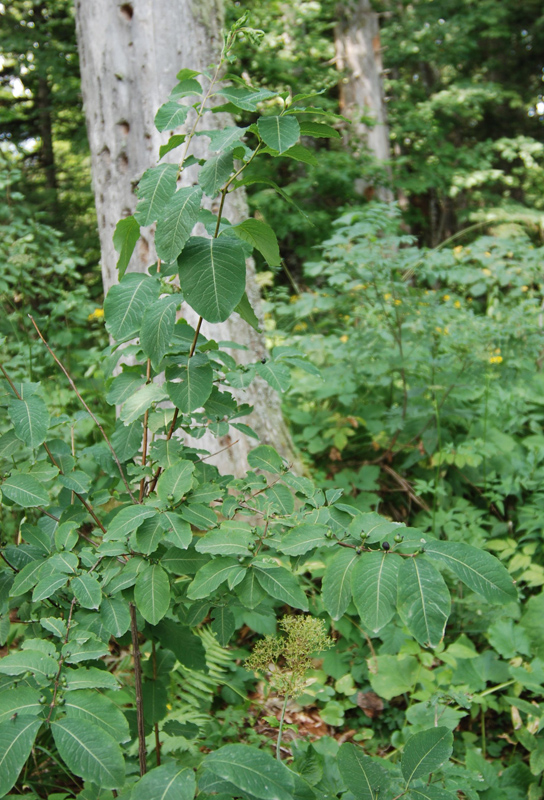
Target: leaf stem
<point>280,729</point>
<point>142,753</point>
<point>61,661</point>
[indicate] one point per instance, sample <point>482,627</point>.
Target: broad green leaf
<point>46,587</point>
<point>282,584</point>
<point>115,615</point>
<point>262,237</point>
<point>126,303</point>
<point>195,386</point>
<point>223,138</point>
<point>212,275</point>
<point>30,419</point>
<point>22,701</point>
<point>431,793</point>
<point>127,520</point>
<point>374,525</point>
<point>178,531</point>
<point>125,237</point>
<point>175,482</point>
<point>16,739</point>
<point>98,709</point>
<point>279,133</point>
<point>185,87</point>
<point>77,481</point>
<point>25,491</point>
<point>425,752</point>
<point>155,189</point>
<point>247,99</point>
<point>124,386</point>
<point>9,444</point>
<point>87,647</point>
<point>374,588</point>
<point>155,697</point>
<point>150,534</point>
<point>87,591</point>
<point>223,624</point>
<point>152,594</point>
<point>318,130</point>
<point>216,172</point>
<point>363,776</point>
<point>54,625</point>
<point>173,142</point>
<point>168,782</point>
<point>199,515</point>
<point>300,153</point>
<point>141,401</point>
<point>186,646</point>
<point>210,577</point>
<point>479,570</point>
<point>176,222</point>
<point>27,578</point>
<point>336,585</point>
<point>89,752</point>
<point>423,601</point>
<point>250,591</point>
<point>180,562</point>
<point>186,729</point>
<point>126,440</point>
<point>158,328</point>
<point>265,457</point>
<point>252,771</point>
<point>89,678</point>
<point>170,115</point>
<point>225,543</point>
<point>305,537</point>
<point>245,310</point>
<point>28,661</point>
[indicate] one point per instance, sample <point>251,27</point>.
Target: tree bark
<point>358,57</point>
<point>130,54</point>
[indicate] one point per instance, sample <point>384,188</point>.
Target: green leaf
<point>30,419</point>
<point>155,189</point>
<point>142,401</point>
<point>127,520</point>
<point>246,99</point>
<point>173,142</point>
<point>252,771</point>
<point>77,481</point>
<point>195,386</point>
<point>46,587</point>
<point>199,515</point>
<point>123,387</point>
<point>25,491</point>
<point>282,584</point>
<point>126,303</point>
<point>158,328</point>
<point>21,701</point>
<point>210,577</point>
<point>224,137</point>
<point>318,130</point>
<point>27,578</point>
<point>480,571</point>
<point>155,697</point>
<point>265,457</point>
<point>126,440</point>
<point>175,482</point>
<point>115,616</point>
<point>98,709</point>
<point>336,585</point>
<point>16,739</point>
<point>431,793</point>
<point>223,624</point>
<point>363,776</point>
<point>423,601</point>
<point>250,591</point>
<point>178,531</point>
<point>28,661</point>
<point>168,782</point>
<point>125,237</point>
<point>305,537</point>
<point>89,678</point>
<point>425,752</point>
<point>212,275</point>
<point>374,588</point>
<point>89,752</point>
<point>216,172</point>
<point>245,310</point>
<point>261,236</point>
<point>186,646</point>
<point>279,133</point>
<point>176,222</point>
<point>170,115</point>
<point>87,591</point>
<point>300,153</point>
<point>185,87</point>
<point>151,534</point>
<point>152,594</point>
<point>225,543</point>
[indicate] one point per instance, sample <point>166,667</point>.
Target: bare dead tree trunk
<point>358,57</point>
<point>130,54</point>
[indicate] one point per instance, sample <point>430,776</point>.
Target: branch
<point>142,754</point>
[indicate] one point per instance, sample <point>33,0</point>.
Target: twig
<point>144,443</point>
<point>157,737</point>
<point>211,455</point>
<point>61,661</point>
<point>142,753</point>
<point>406,487</point>
<point>86,407</point>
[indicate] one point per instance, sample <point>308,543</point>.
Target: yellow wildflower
<point>495,360</point>
<point>344,338</point>
<point>457,304</point>
<point>497,349</point>
<point>446,331</point>
<point>524,288</point>
<point>293,298</point>
<point>446,298</point>
<point>98,313</point>
<point>300,326</point>
<point>387,296</point>
<point>486,271</point>
<point>438,330</point>
<point>398,302</point>
<point>487,253</point>
<point>458,249</point>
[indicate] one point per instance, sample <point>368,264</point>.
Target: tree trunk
<point>130,54</point>
<point>358,57</point>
